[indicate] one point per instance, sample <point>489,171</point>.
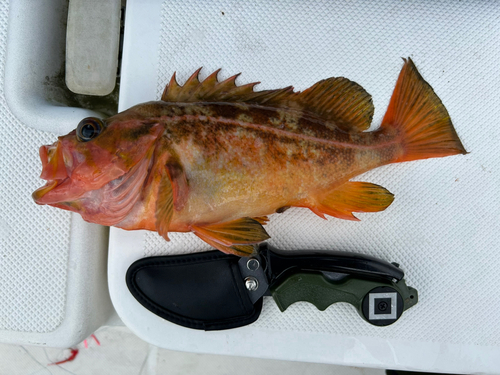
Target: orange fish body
<point>216,159</point>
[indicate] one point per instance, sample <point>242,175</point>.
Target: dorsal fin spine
<point>338,101</point>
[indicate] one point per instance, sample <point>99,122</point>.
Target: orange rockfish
<point>215,159</point>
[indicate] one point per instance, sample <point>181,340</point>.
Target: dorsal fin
<point>338,100</point>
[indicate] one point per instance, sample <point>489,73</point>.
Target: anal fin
<point>353,196</point>
<point>234,237</point>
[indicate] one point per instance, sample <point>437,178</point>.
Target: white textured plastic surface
<point>443,227</point>
<point>52,264</point>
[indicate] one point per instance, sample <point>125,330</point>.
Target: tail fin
<point>420,116</point>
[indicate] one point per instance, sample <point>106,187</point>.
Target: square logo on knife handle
<point>382,306</point>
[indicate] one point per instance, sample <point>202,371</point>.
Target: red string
<point>74,353</point>
<point>95,338</point>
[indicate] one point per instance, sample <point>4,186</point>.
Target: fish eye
<point>89,128</point>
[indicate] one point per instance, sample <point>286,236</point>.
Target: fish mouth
<point>54,171</point>
<point>40,194</point>
<point>54,162</point>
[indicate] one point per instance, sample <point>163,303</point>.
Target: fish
<point>216,159</point>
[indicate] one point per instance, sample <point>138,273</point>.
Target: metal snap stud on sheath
<point>253,264</point>
<point>251,283</point>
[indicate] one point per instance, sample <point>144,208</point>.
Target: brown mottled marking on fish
<point>137,132</point>
<point>293,121</point>
<point>198,110</point>
<point>210,138</point>
<point>208,134</point>
<point>248,113</point>
<point>290,118</point>
<point>224,110</point>
<point>243,117</point>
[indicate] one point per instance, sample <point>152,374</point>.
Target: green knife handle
<point>322,292</point>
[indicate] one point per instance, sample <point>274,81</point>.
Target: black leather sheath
<point>202,291</point>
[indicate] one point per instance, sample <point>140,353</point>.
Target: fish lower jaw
<point>39,194</point>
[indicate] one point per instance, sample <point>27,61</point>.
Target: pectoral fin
<point>352,197</point>
<point>172,195</point>
<point>233,237</point>
<point>180,189</point>
<point>262,219</point>
<point>164,207</point>
<point>240,250</point>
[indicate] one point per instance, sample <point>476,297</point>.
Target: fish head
<point>84,166</point>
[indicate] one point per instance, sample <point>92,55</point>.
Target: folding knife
<point>215,291</point>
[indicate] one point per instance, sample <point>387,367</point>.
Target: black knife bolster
<point>201,291</point>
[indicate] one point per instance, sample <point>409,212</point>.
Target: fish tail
<point>420,119</point>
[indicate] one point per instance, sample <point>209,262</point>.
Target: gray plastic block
<point>92,44</point>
